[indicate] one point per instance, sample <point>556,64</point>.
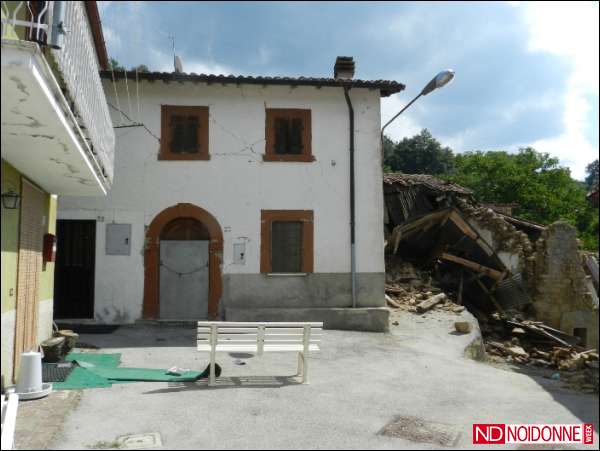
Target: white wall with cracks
<point>235,184</point>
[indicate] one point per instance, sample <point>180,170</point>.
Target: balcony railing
<point>65,29</point>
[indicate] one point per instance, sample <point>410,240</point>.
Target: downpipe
<point>352,197</point>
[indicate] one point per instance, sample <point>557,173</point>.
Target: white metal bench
<point>256,338</point>
<point>10,403</point>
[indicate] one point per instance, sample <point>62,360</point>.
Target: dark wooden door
<point>74,273</point>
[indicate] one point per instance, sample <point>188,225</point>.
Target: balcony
<point>56,127</point>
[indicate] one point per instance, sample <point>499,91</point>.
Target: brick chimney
<point>344,68</point>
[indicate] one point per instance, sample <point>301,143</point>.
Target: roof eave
<point>385,87</point>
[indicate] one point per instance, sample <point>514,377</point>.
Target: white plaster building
<point>237,205</point>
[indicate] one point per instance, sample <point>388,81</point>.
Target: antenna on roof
<point>177,64</point>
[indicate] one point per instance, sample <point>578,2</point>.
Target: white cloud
<point>404,125</point>
<point>112,39</point>
<point>569,30</point>
<point>263,56</point>
<point>163,61</point>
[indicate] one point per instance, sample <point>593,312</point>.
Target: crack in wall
<point>21,88</point>
<point>34,123</point>
<point>72,169</point>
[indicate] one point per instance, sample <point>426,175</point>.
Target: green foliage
<point>115,65</point>
<point>591,181</point>
<point>544,190</point>
<point>421,154</point>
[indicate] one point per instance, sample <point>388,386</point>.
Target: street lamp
<point>10,200</point>
<point>439,81</point>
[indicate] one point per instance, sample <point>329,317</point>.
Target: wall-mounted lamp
<point>10,200</point>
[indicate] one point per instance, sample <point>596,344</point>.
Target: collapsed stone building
<point>489,259</point>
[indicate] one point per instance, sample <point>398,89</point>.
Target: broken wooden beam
<point>430,302</point>
<point>392,302</point>
<point>490,295</point>
<point>469,231</point>
<point>492,273</point>
<point>541,330</point>
<point>394,290</point>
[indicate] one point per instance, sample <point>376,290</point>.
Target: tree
<point>114,65</point>
<point>421,154</point>
<point>544,190</point>
<point>591,181</point>
<point>140,68</point>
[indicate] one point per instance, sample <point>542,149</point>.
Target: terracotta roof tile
<point>386,87</point>
<point>407,180</point>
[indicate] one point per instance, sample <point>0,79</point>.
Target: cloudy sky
<point>526,73</point>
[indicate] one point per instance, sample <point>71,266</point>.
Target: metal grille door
<point>184,279</point>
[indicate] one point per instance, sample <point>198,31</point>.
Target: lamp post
<point>439,81</point>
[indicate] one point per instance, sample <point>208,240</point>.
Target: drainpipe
<point>58,25</point>
<point>352,197</point>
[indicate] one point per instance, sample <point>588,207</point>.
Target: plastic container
<point>29,384</point>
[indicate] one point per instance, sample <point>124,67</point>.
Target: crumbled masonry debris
<point>514,340</point>
<point>532,290</point>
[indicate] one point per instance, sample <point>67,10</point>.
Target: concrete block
<point>361,319</point>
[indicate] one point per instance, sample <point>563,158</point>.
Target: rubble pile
<point>414,291</point>
<point>520,279</point>
<point>508,336</point>
<point>532,343</point>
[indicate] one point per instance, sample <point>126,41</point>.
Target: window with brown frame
<point>184,133</point>
<point>286,241</point>
<point>288,135</point>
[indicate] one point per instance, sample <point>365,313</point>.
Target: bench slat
<point>254,348</point>
<point>221,324</point>
<point>249,342</point>
<point>295,330</point>
<point>255,336</point>
<point>273,330</point>
<point>237,330</point>
<point>253,330</point>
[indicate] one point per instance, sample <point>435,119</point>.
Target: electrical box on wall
<point>118,239</point>
<point>239,253</point>
<point>49,251</point>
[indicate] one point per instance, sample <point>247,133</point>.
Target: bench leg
<point>300,364</point>
<point>304,368</point>
<point>212,377</point>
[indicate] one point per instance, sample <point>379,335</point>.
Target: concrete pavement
<point>359,383</point>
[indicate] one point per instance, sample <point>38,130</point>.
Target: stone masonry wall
<point>559,284</point>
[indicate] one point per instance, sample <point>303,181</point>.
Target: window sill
<point>287,274</point>
<point>289,158</point>
<point>188,157</point>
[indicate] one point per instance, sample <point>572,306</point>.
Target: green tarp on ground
<point>143,374</point>
<point>103,360</point>
<point>81,378</point>
<point>95,370</point>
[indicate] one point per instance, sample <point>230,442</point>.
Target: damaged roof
<point>385,87</point>
<point>431,182</point>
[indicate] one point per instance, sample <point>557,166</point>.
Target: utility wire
<point>141,124</point>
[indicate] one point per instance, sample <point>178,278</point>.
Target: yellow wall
<point>11,179</point>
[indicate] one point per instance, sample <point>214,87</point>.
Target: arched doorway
<point>182,222</point>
